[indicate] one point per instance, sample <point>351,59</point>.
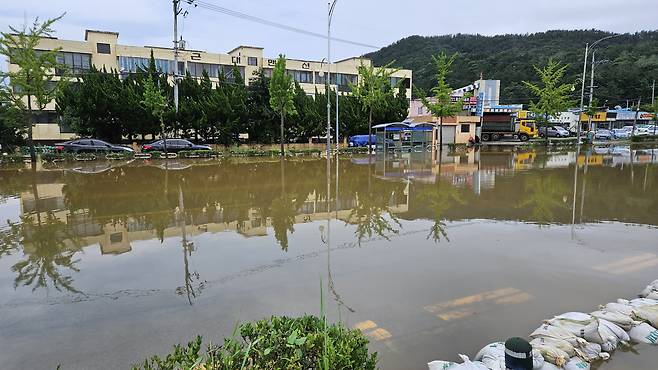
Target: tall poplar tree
<point>282,94</point>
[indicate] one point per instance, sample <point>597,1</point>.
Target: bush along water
<point>275,343</point>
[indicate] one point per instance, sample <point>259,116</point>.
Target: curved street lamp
<point>588,48</point>
<point>330,6</point>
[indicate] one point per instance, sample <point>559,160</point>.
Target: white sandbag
<point>623,321</point>
<point>547,330</point>
<point>441,365</point>
<point>556,343</point>
<point>650,289</point>
<point>622,308</point>
<point>573,327</point>
<point>495,349</point>
<point>653,295</point>
<point>577,364</point>
<point>621,334</point>
<point>648,313</point>
<point>537,360</point>
<point>579,317</point>
<point>644,333</point>
<point>639,302</point>
<point>590,352</point>
<point>550,354</point>
<point>548,366</point>
<point>469,365</point>
<point>601,334</point>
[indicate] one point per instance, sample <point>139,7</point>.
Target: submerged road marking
<point>629,264</point>
<point>371,330</point>
<point>471,299</point>
<point>463,307</point>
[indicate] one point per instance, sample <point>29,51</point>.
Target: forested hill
<point>632,61</point>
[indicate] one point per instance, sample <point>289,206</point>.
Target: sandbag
<point>622,308</point>
<point>577,364</point>
<point>466,365</point>
<point>592,352</point>
<point>547,330</point>
<point>548,366</point>
<point>595,332</point>
<point>653,295</point>
<point>550,354</point>
<point>648,313</point>
<point>620,333</point>
<point>441,365</point>
<point>644,333</point>
<point>560,344</point>
<point>620,319</point>
<point>639,302</point>
<point>652,288</point>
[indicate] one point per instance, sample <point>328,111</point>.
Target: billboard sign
<point>479,107</point>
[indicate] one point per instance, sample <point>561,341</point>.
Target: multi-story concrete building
<point>102,50</point>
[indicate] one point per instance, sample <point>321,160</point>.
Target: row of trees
<point>109,105</point>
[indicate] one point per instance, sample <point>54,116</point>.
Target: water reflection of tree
<point>48,254</point>
<point>544,194</point>
<point>369,214</point>
<point>440,198</point>
<point>283,212</point>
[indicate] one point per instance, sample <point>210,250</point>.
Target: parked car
<point>173,146</point>
<point>603,134</point>
<point>620,133</point>
<point>90,146</point>
<point>553,131</point>
<point>361,140</point>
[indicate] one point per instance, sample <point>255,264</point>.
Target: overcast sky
<point>372,22</point>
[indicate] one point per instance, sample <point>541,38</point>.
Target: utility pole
<point>582,96</point>
<point>653,98</point>
<point>591,92</point>
<point>637,113</point>
<point>337,142</point>
<point>177,11</point>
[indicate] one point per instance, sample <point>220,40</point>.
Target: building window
<point>305,77</point>
<point>420,110</point>
<point>135,64</point>
<point>465,128</point>
<point>75,63</point>
<point>228,72</point>
<point>252,61</point>
<point>399,82</point>
<point>196,69</point>
<point>102,48</point>
<point>267,72</point>
<point>319,78</point>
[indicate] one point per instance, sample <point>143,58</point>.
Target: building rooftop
<point>97,31</point>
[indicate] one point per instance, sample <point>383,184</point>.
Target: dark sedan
<point>173,146</point>
<point>90,146</point>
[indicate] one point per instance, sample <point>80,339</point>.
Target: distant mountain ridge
<point>631,68</point>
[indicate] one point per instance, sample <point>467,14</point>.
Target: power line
<point>237,14</point>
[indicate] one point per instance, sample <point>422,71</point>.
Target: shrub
<point>275,343</point>
<point>644,138</point>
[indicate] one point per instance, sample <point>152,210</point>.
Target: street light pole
<point>588,47</point>
<point>330,12</point>
<point>591,92</point>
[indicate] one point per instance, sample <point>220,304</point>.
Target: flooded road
<point>103,264</point>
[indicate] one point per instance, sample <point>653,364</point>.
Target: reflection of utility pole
<point>188,246</point>
<point>575,190</point>
<point>582,195</point>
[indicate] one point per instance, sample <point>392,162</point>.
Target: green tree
<point>12,128</point>
<point>441,104</point>
<point>34,82</point>
<point>552,95</point>
<point>282,93</point>
<point>156,103</point>
<point>371,90</point>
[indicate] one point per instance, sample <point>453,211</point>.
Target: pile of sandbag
<point>573,340</point>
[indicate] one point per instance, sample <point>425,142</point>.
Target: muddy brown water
<point>103,264</point>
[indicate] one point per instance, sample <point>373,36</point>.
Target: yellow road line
<point>625,262</point>
<point>468,300</point>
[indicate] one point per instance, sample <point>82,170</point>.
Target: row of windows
<point>134,64</point>
<point>340,79</point>
<point>75,63</point>
<point>400,80</point>
<point>305,77</point>
<point>213,70</point>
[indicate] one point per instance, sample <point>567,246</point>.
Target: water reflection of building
<point>117,236</point>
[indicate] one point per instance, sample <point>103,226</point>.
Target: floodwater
<point>103,264</point>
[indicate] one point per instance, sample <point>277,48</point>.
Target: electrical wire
<point>251,18</point>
